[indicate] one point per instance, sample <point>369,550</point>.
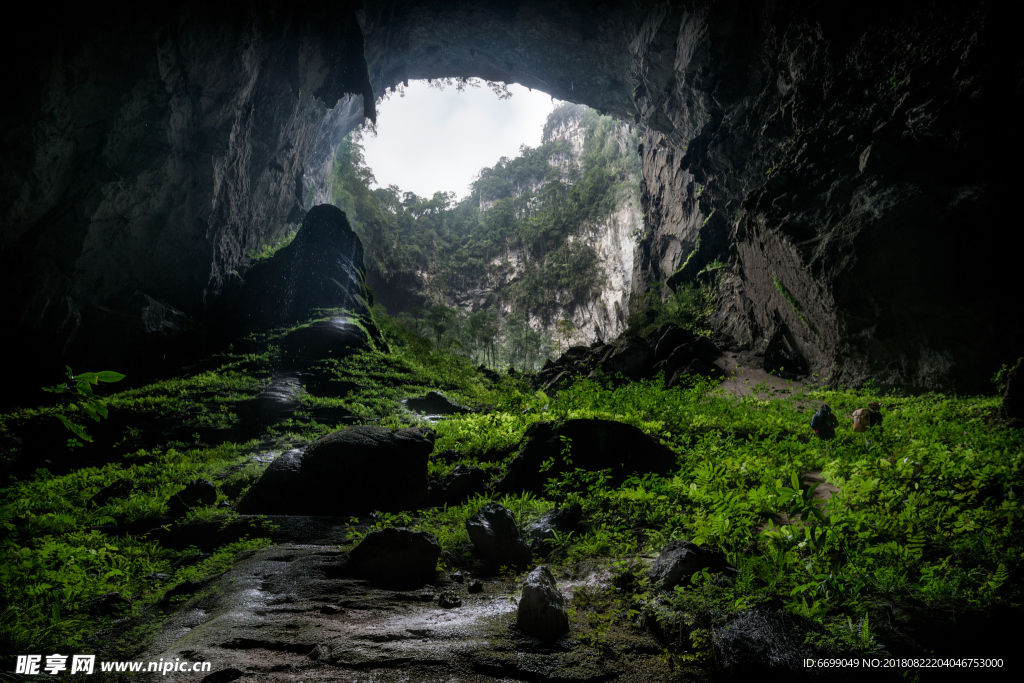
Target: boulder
<point>762,641</point>
<point>562,520</point>
<point>542,608</point>
<point>435,403</point>
<point>488,373</point>
<point>198,493</point>
<point>594,445</point>
<point>349,472</point>
<point>449,599</point>
<point>670,340</point>
<point>333,338</point>
<point>679,560</point>
<point>277,402</point>
<point>631,357</point>
<point>496,538</point>
<point>395,556</point>
<point>462,482</point>
<point>322,268</point>
<point>698,367</point>
<point>108,604</point>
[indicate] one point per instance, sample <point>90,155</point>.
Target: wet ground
<point>290,613</point>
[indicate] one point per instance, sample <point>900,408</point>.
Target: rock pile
<point>670,349</point>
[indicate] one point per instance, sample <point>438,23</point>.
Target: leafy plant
<point>77,395</point>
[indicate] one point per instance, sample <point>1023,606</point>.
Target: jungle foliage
<point>927,517</point>
<point>521,236</point>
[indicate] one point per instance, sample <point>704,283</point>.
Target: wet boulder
<point>198,493</point>
<point>348,472</point>
<point>592,445</point>
<point>463,482</point>
<point>762,641</point>
<point>496,537</point>
<point>679,560</point>
<point>562,520</point>
<point>435,403</point>
<point>395,556</point>
<point>278,401</point>
<point>541,611</point>
<point>333,338</point>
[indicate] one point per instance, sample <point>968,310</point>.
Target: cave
<point>150,151</point>
<point>841,174</point>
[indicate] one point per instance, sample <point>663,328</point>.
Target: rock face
<point>542,608</point>
<point>843,170</point>
<point>496,538</point>
<point>395,556</point>
<point>593,445</point>
<point>351,471</point>
<point>155,150</point>
<point>321,268</point>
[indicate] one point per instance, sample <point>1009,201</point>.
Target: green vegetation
<point>78,397</point>
<point>928,515</point>
<point>793,303</point>
<point>689,305</point>
<point>271,248</point>
<point>521,235</point>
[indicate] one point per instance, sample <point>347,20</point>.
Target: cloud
<point>438,140</point>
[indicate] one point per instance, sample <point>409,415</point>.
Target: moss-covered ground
<point>927,522</point>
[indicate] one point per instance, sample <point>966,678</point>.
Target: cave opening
<point>291,482</point>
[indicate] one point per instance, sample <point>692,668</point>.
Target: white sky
<point>438,140</point>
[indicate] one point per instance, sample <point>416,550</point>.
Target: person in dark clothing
<point>824,423</point>
<point>874,420</point>
<point>875,416</point>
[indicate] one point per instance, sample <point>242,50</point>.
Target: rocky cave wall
<point>847,160</point>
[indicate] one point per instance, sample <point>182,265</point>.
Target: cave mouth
<point>436,135</point>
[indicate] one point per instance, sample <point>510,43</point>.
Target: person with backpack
<point>824,423</point>
<point>866,418</point>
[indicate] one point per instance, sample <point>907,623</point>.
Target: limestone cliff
<point>602,315</point>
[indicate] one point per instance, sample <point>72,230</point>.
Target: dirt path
<point>742,375</point>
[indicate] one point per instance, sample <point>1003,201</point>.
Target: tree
<point>564,329</point>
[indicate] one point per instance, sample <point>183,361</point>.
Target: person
<point>824,423</point>
<point>864,419</point>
